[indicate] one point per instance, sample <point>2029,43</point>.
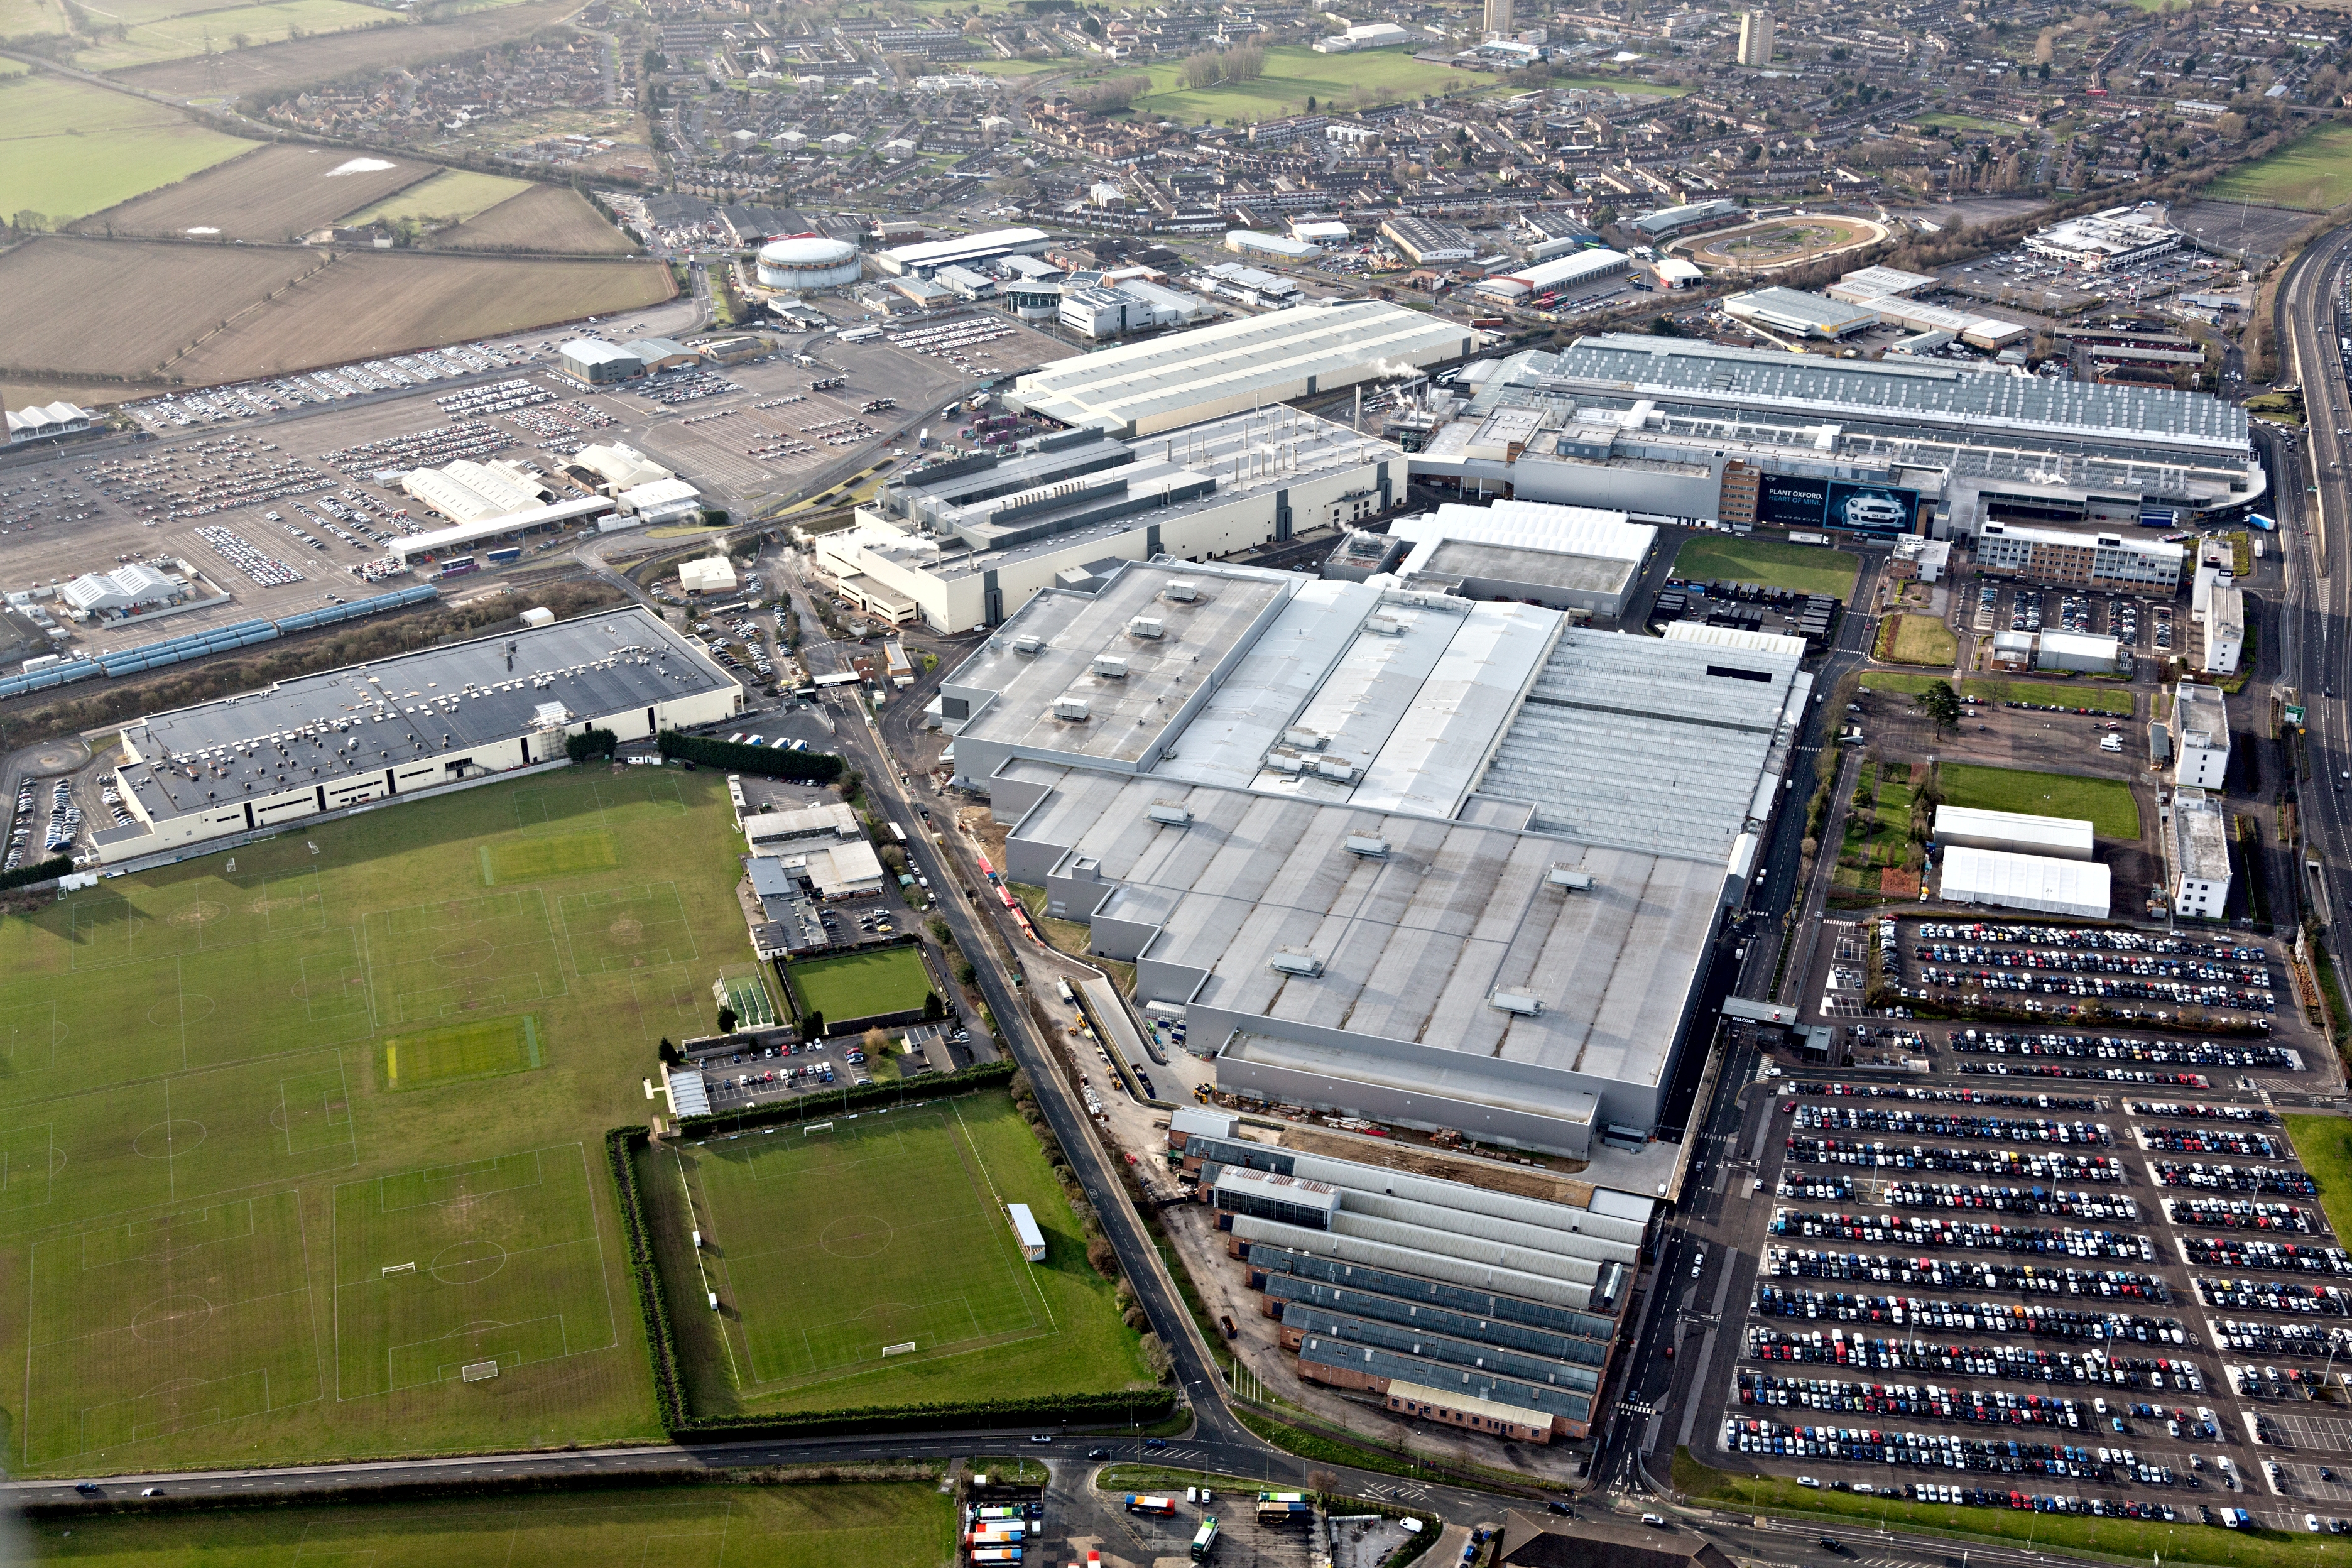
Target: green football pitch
<point>299,1144</point>
<point>867,1260</point>
<point>861,984</point>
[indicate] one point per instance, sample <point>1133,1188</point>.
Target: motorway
<point>2312,621</point>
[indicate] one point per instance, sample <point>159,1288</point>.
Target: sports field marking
<point>536,860</point>
<point>30,1036</point>
<point>639,927</point>
<point>796,1231</point>
<point>754,1007</point>
<point>28,1164</point>
<point>180,1319</point>
<point>509,1268</point>
<point>103,932</point>
<point>486,1047</point>
<point>495,953</point>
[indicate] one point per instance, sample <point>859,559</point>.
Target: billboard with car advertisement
<point>1800,501</point>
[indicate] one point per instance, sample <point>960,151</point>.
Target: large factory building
<point>405,726</point>
<point>1669,429</point>
<point>1393,853</point>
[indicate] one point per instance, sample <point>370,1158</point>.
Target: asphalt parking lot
<point>2074,1265</point>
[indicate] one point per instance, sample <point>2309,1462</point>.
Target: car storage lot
<point>2077,1267</point>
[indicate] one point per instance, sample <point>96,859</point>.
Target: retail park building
<point>1433,862</point>
<point>1185,447</point>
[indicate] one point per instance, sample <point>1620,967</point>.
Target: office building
<point>2200,735</point>
<point>2117,563</point>
<point>2104,241</point>
<point>2198,855</point>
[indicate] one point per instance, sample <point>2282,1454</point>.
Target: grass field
<point>1972,122</point>
<point>2324,1144</point>
<point>1806,568</point>
<point>2313,172</point>
<point>1294,73</point>
<point>32,18</point>
<point>192,33</point>
<point>68,149</point>
<point>453,195</point>
<point>278,193</point>
<point>2107,803</point>
<point>835,1289</point>
<point>861,984</point>
<point>2097,696</point>
<point>342,305</point>
<point>1921,639</point>
<point>887,1525</point>
<point>2113,1539</point>
<point>234,1093</point>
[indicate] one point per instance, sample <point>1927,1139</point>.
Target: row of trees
<point>1209,67</point>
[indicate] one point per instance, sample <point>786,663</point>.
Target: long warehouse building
<point>1669,429</point>
<point>405,726</point>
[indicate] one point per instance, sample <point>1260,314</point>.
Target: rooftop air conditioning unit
<point>1305,738</point>
<point>1365,845</point>
<point>1335,768</point>
<point>1110,666</point>
<point>1182,590</point>
<point>1569,876</point>
<point>1169,813</point>
<point>1381,626</point>
<point>1074,708</point>
<point>1518,1002</point>
<point>1031,646</point>
<point>1295,961</point>
<point>1283,763</point>
<point>1146,627</point>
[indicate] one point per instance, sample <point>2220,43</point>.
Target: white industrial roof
<point>2035,882</point>
<point>594,351</point>
<point>964,247</point>
<point>2079,645</point>
<point>1186,377</point>
<point>2065,835</point>
<point>418,544</point>
<point>1535,525</point>
<point>1735,636</point>
<point>1870,283</point>
<point>1573,267</point>
<point>1795,310</point>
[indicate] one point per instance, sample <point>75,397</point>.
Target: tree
<point>590,743</point>
<point>1310,103</point>
<point>1665,327</point>
<point>932,1006</point>
<point>1942,706</point>
<point>964,973</point>
<point>811,1025</point>
<point>725,1020</point>
<point>875,1041</point>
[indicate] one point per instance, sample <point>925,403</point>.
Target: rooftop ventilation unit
<point>1074,708</point>
<point>1146,627</point>
<point>1295,961</point>
<point>1305,738</point>
<point>1381,626</point>
<point>1518,1002</point>
<point>1365,845</point>
<point>1335,768</point>
<point>1031,646</point>
<point>1284,762</point>
<point>1110,666</point>
<point>1182,590</point>
<point>1569,876</point>
<point>1170,814</point>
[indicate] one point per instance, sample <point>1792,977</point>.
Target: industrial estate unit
<point>422,721</point>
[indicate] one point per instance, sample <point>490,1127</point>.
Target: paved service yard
<point>2075,1260</point>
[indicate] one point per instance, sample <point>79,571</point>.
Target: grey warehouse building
<point>1439,863</point>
